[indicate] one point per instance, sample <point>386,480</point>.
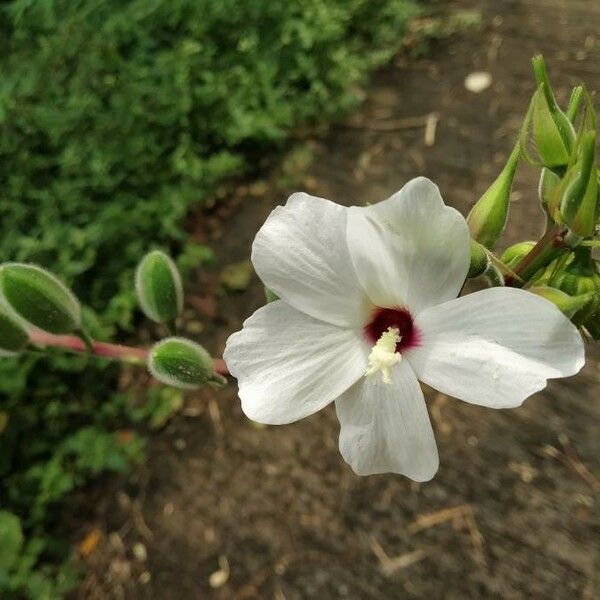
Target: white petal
<point>289,365</point>
<point>301,254</point>
<point>385,428</point>
<point>410,250</point>
<point>495,347</point>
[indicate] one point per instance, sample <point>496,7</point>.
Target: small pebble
<point>478,81</point>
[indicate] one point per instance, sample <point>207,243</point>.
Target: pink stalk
<point>128,354</point>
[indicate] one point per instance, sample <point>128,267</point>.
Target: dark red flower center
<point>399,318</point>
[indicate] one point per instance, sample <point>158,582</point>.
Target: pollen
<point>383,354</point>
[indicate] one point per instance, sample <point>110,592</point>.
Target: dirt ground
<point>227,510</point>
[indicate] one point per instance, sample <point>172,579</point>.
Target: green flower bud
<point>488,217</point>
<point>38,298</point>
<point>552,130</point>
<point>158,287</point>
<point>579,201</point>
<point>513,255</point>
<point>270,295</point>
<point>479,260</point>
<point>181,363</point>
<point>13,338</point>
<point>569,305</point>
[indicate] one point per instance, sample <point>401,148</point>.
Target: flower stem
<point>545,251</point>
<point>127,354</point>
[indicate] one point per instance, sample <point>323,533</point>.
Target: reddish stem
<point>540,255</point>
<point>128,354</point>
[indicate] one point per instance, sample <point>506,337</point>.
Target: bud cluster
<point>560,266</point>
<point>37,309</point>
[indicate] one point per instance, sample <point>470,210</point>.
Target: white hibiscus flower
<point>368,307</point>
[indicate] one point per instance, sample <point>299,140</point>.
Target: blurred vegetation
<point>117,118</point>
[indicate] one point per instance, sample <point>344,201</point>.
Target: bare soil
<point>227,510</point>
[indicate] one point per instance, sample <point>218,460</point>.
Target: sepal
<point>578,203</point>
<point>553,132</point>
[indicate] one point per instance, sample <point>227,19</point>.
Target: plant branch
<point>547,248</point>
<point>128,354</point>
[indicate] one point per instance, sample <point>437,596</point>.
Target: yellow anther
<point>383,354</point>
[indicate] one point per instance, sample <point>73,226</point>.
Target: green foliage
<point>138,109</point>
<point>116,118</point>
<point>57,434</point>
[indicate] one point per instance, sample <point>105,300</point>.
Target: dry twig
<point>393,124</point>
<point>389,565</point>
<point>459,515</point>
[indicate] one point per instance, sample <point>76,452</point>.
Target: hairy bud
<point>158,287</point>
<point>487,218</point>
<point>38,298</point>
<point>13,338</point>
<point>181,363</point>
